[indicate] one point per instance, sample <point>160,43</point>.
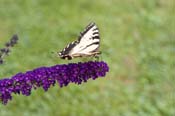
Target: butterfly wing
<point>89,40</point>
<point>87,44</point>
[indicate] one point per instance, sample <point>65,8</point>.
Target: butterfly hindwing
<point>87,44</point>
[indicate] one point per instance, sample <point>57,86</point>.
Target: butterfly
<point>86,45</point>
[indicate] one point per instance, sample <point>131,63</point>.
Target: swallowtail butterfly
<point>87,44</point>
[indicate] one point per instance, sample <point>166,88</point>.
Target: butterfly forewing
<point>87,44</point>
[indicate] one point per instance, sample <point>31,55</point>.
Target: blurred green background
<point>137,41</point>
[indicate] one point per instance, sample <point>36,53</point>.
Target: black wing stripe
<point>96,33</point>
<point>90,45</point>
<point>96,37</point>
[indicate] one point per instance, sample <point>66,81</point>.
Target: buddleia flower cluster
<point>45,77</point>
<point>5,51</point>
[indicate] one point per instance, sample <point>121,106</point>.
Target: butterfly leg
<point>96,55</point>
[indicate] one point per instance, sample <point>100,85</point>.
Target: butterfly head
<point>61,55</point>
<point>67,57</point>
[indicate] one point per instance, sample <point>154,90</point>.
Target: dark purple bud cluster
<point>5,51</point>
<point>45,77</point>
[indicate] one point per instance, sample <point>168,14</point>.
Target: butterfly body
<point>87,44</point>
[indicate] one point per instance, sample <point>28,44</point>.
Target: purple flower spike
<point>45,77</point>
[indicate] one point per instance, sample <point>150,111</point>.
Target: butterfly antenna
<point>54,53</point>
